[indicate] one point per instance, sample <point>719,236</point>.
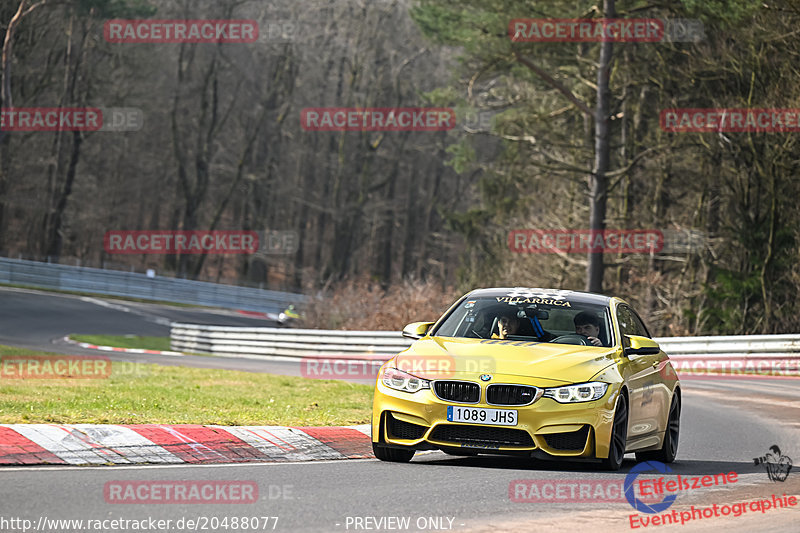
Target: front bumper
<point>419,420</point>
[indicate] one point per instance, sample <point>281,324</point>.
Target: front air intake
<point>482,436</point>
<point>457,391</point>
<point>574,441</point>
<point>510,394</point>
<point>400,429</point>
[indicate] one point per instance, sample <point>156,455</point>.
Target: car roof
<point>536,292</point>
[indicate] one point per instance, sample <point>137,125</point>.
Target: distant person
<point>588,325</point>
<point>507,325</point>
<point>288,316</point>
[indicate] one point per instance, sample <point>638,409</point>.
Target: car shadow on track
<point>693,467</point>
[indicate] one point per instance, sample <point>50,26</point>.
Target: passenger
<point>588,325</point>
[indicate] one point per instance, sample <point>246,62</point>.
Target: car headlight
<point>399,380</point>
<point>582,392</point>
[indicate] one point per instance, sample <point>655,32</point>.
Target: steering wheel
<point>478,334</point>
<point>573,338</point>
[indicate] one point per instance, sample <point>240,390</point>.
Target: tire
<point>619,436</point>
<point>669,447</point>
<point>392,455</point>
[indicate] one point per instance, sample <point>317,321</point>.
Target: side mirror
<point>417,330</point>
<point>641,346</point>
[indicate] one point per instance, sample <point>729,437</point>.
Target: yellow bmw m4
<point>541,373</point>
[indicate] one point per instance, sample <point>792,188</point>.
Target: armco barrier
<point>134,285</point>
<point>731,346</point>
<point>222,340</point>
<point>234,341</point>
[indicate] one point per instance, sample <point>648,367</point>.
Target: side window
<point>639,324</point>
<point>630,323</point>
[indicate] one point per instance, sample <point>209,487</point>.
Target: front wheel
<point>669,448</point>
<point>393,455</point>
<point>619,436</point>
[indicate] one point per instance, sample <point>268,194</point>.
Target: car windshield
<point>528,319</point>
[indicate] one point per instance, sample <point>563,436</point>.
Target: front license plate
<point>479,415</point>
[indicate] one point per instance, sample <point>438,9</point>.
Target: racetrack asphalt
<point>40,320</point>
<point>717,436</point>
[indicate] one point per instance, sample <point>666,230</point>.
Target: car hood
<point>460,358</point>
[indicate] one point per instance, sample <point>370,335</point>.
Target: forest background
<point>392,226</point>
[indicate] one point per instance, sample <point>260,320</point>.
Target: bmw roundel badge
<point>486,377</point>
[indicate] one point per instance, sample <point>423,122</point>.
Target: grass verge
<point>125,341</point>
<point>137,393</point>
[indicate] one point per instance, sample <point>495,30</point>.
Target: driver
<point>506,325</point>
<point>588,325</point>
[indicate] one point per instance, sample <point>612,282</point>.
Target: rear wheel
<point>393,455</point>
<point>619,436</point>
<point>669,448</point>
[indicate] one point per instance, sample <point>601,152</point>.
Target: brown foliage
<point>364,305</point>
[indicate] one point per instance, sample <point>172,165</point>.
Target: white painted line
<point>109,305</point>
<point>89,346</point>
<point>128,443</point>
<point>366,429</point>
<point>185,465</point>
<point>70,447</point>
<point>280,441</point>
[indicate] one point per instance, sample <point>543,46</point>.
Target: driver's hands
<point>595,341</point>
